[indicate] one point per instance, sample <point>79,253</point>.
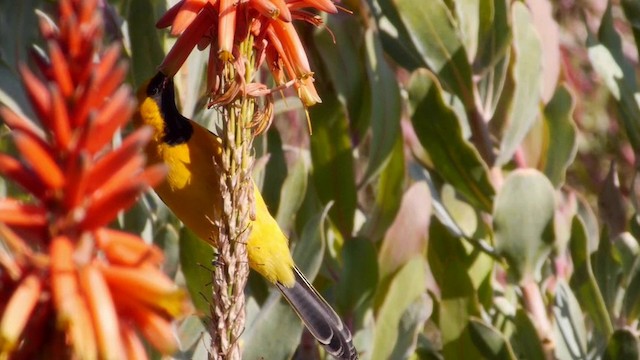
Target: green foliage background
<point>470,189</point>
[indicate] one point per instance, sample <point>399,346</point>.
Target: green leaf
<point>385,115</point>
<point>18,30</point>
<point>622,345</point>
<point>569,328</point>
<point>607,269</point>
<point>526,72</point>
<point>631,302</point>
<point>168,239</point>
<point>18,34</point>
<point>632,12</point>
<point>608,60</point>
<point>189,332</point>
<point>426,350</point>
<point>394,35</point>
<point>292,195</point>
<point>407,235</point>
<point>404,288</point>
<point>494,34</point>
<point>274,333</point>
<point>388,193</point>
<point>583,281</point>
<point>612,205</point>
<point>411,325</point>
<point>489,340</point>
<point>309,250</point>
<point>469,14</point>
<point>525,340</point>
<point>146,48</point>
<point>562,148</point>
<point>449,262</point>
<point>523,222</point>
<point>343,53</point>
<point>332,162</point>
<point>196,258</point>
<point>439,132</point>
<point>359,276</point>
<point>491,89</point>
<point>434,34</point>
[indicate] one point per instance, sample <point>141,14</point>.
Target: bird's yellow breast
<point>191,191</point>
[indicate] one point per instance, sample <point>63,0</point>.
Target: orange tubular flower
<point>60,267</point>
<point>224,23</point>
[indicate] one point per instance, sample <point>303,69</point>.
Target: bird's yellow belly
<point>193,195</point>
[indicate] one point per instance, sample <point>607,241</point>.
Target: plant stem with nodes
<point>233,224</point>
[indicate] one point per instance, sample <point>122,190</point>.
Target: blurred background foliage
<point>470,189</point>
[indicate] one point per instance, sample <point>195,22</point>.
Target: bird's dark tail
<point>323,323</point>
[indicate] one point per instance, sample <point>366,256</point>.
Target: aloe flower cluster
<point>69,285</point>
<point>222,24</point>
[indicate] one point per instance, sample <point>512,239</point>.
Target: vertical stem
<point>535,307</point>
<point>233,222</point>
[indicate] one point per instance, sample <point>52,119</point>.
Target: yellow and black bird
<point>191,193</point>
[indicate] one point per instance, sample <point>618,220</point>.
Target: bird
<point>191,192</point>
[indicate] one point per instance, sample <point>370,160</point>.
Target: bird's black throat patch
<point>177,128</point>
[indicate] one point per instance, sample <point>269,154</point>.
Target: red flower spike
<point>105,317</point>
<point>47,27</point>
<point>76,186</point>
<point>292,46</point>
<point>169,17</point>
<point>272,9</point>
<point>72,35</point>
<point>60,124</point>
<point>121,176</point>
<point>37,93</point>
<point>113,115</point>
<point>154,175</point>
<point>73,314</point>
<point>63,277</point>
<point>156,329</point>
<point>213,75</point>
<point>81,329</point>
<point>17,311</point>
<point>323,5</point>
<point>188,11</point>
<point>105,66</point>
<point>131,146</point>
<point>60,68</point>
<point>61,239</point>
<point>122,248</point>
<point>103,210</point>
<point>87,11</point>
<point>17,172</point>
<point>40,160</point>
<point>134,347</point>
<point>187,41</point>
<point>226,29</point>
<point>19,122</point>
<point>99,90</point>
<point>14,213</point>
<point>285,13</point>
<point>281,54</point>
<point>66,9</point>
<point>152,288</point>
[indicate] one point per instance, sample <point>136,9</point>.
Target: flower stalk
<point>230,276</point>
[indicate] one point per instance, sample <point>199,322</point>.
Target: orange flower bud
<point>103,311</point>
<point>17,312</point>
<point>151,287</point>
<point>38,156</point>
